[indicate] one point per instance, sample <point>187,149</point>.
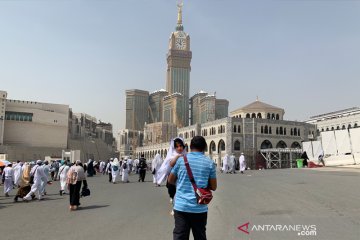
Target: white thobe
<point>46,170</point>
<point>242,163</point>
<point>38,173</point>
<point>156,164</point>
<point>17,174</point>
<point>125,172</point>
<point>115,174</point>
<point>9,176</point>
<point>225,167</point>
<point>63,170</point>
<point>101,166</point>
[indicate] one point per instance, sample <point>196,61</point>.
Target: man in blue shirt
<point>188,213</point>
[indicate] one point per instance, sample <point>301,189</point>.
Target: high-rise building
<point>3,96</point>
<point>156,102</point>
<point>137,105</point>
<point>207,109</point>
<point>173,109</point>
<point>221,108</point>
<point>195,107</point>
<point>178,69</point>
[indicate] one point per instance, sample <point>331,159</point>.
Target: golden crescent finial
<point>180,5</point>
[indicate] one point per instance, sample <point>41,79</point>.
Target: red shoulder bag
<point>203,195</point>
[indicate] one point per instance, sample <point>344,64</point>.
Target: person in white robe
<point>225,167</point>
<point>165,168</point>
<point>125,171</point>
<point>242,163</point>
<point>155,166</point>
<point>102,167</point>
<point>115,170</point>
<point>17,173</point>
<point>38,173</point>
<point>136,165</point>
<point>45,180</point>
<point>8,178</point>
<point>62,177</point>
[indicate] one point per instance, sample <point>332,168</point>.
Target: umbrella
<point>4,163</point>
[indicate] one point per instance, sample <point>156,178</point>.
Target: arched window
<point>262,129</point>
<point>284,131</point>
<point>295,132</point>
<point>343,127</point>
<point>248,115</point>
<point>277,117</point>
<point>237,145</point>
<point>295,145</point>
<point>266,144</point>
<point>281,144</point>
<point>322,129</point>
<point>277,131</point>
<point>299,132</point>
<point>239,129</point>
<point>349,126</point>
<point>268,116</point>
<point>221,146</point>
<point>240,116</point>
<point>281,131</point>
<point>270,132</point>
<point>327,129</point>
<point>338,128</point>
<point>355,125</point>
<point>253,115</point>
<point>273,116</point>
<point>266,129</point>
<point>212,147</point>
<point>234,128</point>
<point>259,115</point>
<point>291,132</point>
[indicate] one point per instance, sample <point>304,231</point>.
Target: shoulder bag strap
<point>188,169</point>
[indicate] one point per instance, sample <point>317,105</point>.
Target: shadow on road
<point>92,207</point>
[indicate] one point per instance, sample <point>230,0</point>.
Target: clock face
<point>180,43</point>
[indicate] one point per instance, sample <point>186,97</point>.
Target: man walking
<point>142,168</point>
<point>8,179</point>
<point>188,213</point>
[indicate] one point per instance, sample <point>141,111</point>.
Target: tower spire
<point>180,5</point>
<point>179,26</point>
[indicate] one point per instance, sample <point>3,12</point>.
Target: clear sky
<point>301,55</point>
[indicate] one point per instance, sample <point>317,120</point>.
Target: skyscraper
<point>178,69</point>
<point>137,105</point>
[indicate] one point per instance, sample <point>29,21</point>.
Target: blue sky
<point>303,56</point>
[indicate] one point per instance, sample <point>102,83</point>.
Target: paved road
<point>328,198</point>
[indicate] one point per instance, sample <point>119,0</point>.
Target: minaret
<point>178,65</point>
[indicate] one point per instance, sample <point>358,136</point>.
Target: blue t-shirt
<point>203,169</point>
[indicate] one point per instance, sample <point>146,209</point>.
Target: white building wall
<point>48,128</point>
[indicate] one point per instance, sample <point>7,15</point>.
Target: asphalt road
<point>272,200</point>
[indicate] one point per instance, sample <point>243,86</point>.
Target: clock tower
<point>178,66</point>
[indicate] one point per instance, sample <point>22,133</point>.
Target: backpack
<point>124,165</point>
<point>71,177</point>
<point>115,168</point>
<point>142,164</point>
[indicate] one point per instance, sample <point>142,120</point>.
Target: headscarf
<point>116,162</point>
<point>165,168</point>
<point>172,151</point>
